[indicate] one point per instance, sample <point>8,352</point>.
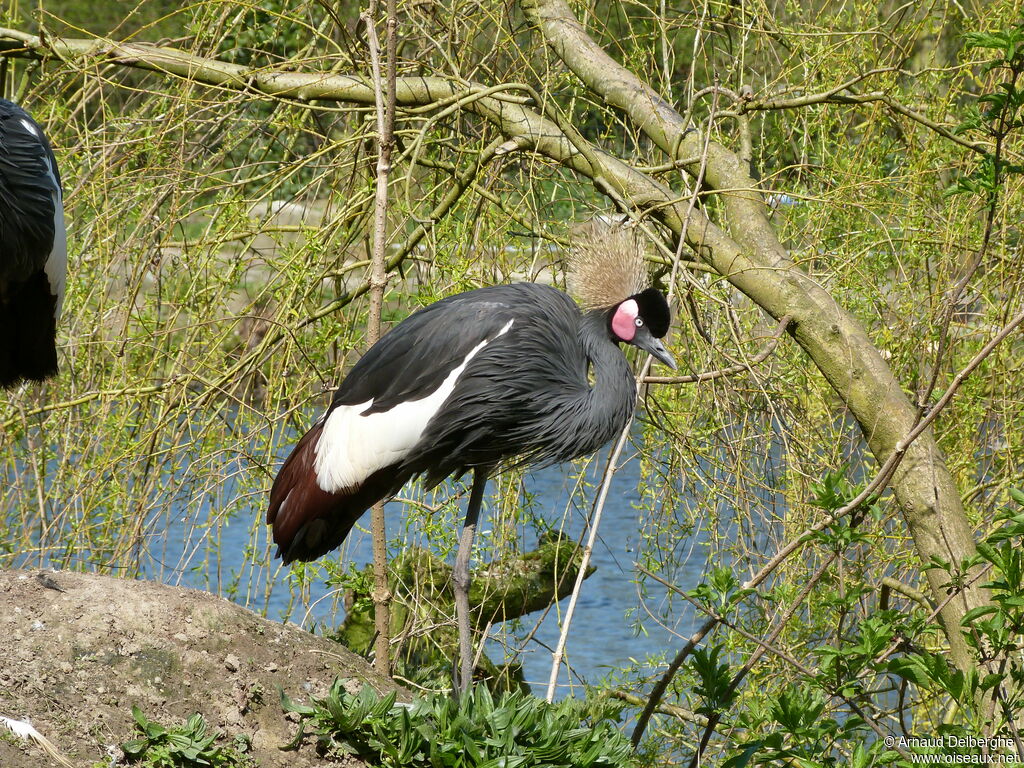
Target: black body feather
<point>29,199</point>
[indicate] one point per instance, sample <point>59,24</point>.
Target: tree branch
<point>835,96</point>
<point>751,257</point>
<point>378,280</point>
<point>732,370</point>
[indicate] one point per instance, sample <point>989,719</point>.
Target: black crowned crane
<point>504,375</point>
<point>33,249</point>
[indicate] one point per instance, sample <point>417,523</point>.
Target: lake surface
<point>602,634</point>
<point>185,549</point>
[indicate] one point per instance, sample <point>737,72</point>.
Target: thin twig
<point>760,357</point>
<point>658,692</point>
<point>766,644</point>
<point>672,710</point>
<point>870,492</point>
<point>834,96</point>
<point>593,524</point>
<point>758,653</point>
<point>953,297</point>
<point>96,394</point>
<point>385,108</point>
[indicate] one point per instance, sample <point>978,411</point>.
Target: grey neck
<point>613,396</point>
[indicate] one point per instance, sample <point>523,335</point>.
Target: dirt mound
<point>79,650</point>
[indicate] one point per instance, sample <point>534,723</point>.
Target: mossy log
<point>423,609</point>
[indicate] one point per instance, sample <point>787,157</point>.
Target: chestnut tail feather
<point>309,522</point>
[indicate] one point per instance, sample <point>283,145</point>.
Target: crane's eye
<point>639,322</point>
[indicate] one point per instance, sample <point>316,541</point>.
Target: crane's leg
<point>461,580</point>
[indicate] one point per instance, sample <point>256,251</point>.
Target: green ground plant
<point>516,730</point>
<point>189,745</point>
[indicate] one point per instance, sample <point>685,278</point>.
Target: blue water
<point>208,543</point>
<point>603,633</point>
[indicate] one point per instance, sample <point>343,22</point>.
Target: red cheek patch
<point>623,321</point>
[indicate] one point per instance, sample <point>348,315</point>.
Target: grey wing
<point>413,359</point>
<point>509,404</point>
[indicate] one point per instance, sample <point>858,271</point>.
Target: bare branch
<point>732,370</point>
<point>378,280</point>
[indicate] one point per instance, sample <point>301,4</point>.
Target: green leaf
<point>135,747</point>
<point>741,759</point>
<point>977,613</point>
<point>516,730</point>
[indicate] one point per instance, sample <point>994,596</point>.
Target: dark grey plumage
<point>480,380</point>
<point>32,249</point>
<point>525,398</point>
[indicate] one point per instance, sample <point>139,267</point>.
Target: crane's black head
<point>641,320</point>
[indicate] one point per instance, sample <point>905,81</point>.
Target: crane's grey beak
<point>648,343</point>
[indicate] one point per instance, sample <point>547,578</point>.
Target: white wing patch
<point>353,444</point>
<point>30,128</point>
<point>56,266</point>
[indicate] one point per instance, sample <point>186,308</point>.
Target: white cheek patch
<point>355,444</point>
<point>624,319</point>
